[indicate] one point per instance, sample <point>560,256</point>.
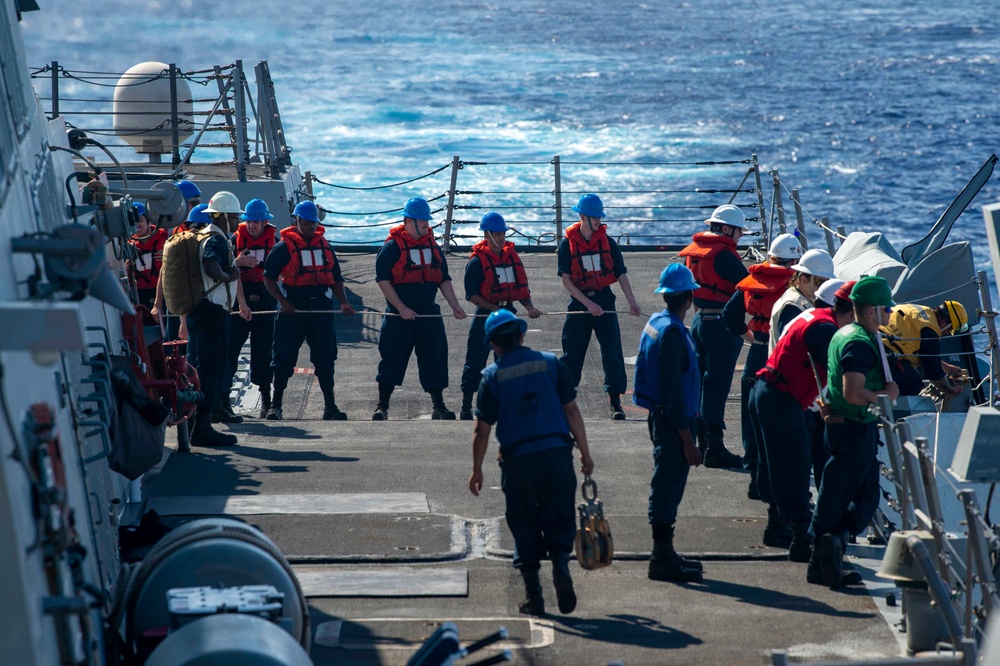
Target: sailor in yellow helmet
<point>914,334</point>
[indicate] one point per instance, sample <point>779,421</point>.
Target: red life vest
<point>311,262</point>
<point>419,260</point>
<point>592,266</point>
<point>149,258</point>
<point>699,256</point>
<point>761,290</point>
<point>789,367</point>
<point>260,247</point>
<point>504,278</point>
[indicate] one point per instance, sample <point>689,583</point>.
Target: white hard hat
<point>785,246</point>
<point>816,262</point>
<point>224,202</point>
<point>827,291</point>
<point>729,215</point>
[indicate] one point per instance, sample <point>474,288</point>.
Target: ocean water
<point>877,112</point>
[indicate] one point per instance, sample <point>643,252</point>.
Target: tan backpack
<point>181,273</point>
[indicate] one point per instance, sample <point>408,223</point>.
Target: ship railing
<point>633,192</point>
<point>88,94</point>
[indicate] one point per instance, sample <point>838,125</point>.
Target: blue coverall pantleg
<point>398,338</point>
<point>670,471</point>
<point>717,350</point>
<point>576,332</point>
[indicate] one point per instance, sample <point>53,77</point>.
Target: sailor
<point>590,262</point>
<point>914,335</point>
<point>785,389</point>
<point>849,491</point>
<point>530,397</point>
<point>494,279</point>
<point>813,269</point>
<point>308,269</point>
<point>192,198</point>
<point>208,325</point>
<point>176,326</point>
<point>147,243</point>
<point>410,269</point>
<point>755,295</point>
<point>253,241</point>
<point>717,268</point>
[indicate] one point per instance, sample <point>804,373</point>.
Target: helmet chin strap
<point>493,243</point>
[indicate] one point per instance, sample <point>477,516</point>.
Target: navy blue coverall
<point>290,331</point>
<point>260,330</point>
<point>537,477</point>
<point>399,338</point>
<point>717,348</point>
<point>477,352</point>
<point>734,315</point>
<point>577,328</point>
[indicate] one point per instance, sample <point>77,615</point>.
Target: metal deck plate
<point>383,581</point>
<point>256,505</point>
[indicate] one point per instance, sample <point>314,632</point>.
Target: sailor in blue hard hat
<point>144,267</point>
<point>667,385</point>
<point>309,270</point>
<point>494,279</point>
<point>589,262</point>
<point>410,269</point>
<point>253,241</point>
<point>718,268</point>
<point>530,397</point>
<point>192,195</point>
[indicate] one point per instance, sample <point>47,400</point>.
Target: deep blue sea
<point>877,112</point>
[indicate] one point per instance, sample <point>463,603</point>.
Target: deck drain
<point>400,518</point>
<point>744,520</point>
<point>407,548</point>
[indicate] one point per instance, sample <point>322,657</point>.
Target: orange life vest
<point>504,278</point>
<point>592,266</point>
<point>761,290</point>
<point>311,262</point>
<point>259,247</point>
<point>699,256</point>
<point>419,260</point>
<point>149,258</point>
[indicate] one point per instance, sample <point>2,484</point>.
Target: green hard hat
<point>872,290</point>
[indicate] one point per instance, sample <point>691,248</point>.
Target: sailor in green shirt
<point>848,492</point>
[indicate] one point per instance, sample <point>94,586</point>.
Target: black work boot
<point>615,407</point>
<point>563,583</point>
<point>274,412</point>
<point>800,550</point>
<point>717,456</point>
<point>776,533</point>
<point>813,574</point>
<point>534,603</point>
<point>466,413</point>
<point>224,412</point>
<point>330,410</point>
<point>204,435</point>
<point>831,556</point>
<point>265,400</point>
<point>752,492</point>
<point>440,412</point>
<point>666,565</point>
<point>382,408</point>
<point>701,440</point>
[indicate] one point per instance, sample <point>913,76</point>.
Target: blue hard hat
<point>188,189</point>
<point>501,319</point>
<point>417,208</point>
<point>140,209</point>
<point>198,215</point>
<point>589,205</point>
<point>307,210</point>
<point>675,278</point>
<point>493,222</point>
<point>256,211</point>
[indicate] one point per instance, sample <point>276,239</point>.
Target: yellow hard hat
<point>958,316</point>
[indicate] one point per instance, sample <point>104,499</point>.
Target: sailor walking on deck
<point>786,388</point>
<point>849,491</point>
<point>494,279</point>
<point>590,262</point>
<point>530,397</point>
<point>667,382</point>
<point>410,269</point>
<point>309,270</point>
<point>252,243</point>
<point>755,295</point>
<point>717,268</point>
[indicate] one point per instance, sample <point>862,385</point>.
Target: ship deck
<point>377,519</point>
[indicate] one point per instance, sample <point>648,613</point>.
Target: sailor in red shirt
<point>717,267</point>
<point>589,263</point>
<point>494,279</point>
<point>147,244</point>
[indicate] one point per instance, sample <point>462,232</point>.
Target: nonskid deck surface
<point>377,519</point>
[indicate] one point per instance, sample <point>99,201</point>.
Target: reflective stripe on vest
<point>504,279</point>
<point>699,256</point>
<point>591,264</point>
<point>647,391</point>
<point>419,260</point>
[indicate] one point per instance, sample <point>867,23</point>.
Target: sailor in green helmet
<point>848,493</point>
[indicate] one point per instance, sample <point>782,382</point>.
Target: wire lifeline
<point>381,187</point>
<point>424,316</point>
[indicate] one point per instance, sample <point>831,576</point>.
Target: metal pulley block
<point>595,547</point>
